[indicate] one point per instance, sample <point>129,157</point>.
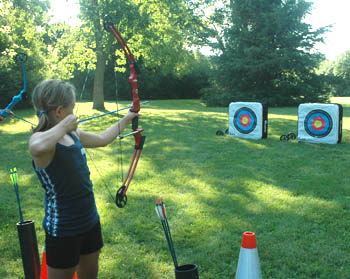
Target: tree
<point>342,72</point>
<point>20,23</point>
<point>339,71</point>
<point>156,31</point>
<point>268,54</point>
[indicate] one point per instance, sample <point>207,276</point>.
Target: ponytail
<point>47,96</point>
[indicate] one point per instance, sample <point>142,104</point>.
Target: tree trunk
<point>232,13</point>
<point>101,57</point>
<point>98,95</point>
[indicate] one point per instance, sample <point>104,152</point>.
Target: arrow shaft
<point>107,113</point>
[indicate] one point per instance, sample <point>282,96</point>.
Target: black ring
<point>253,119</point>
<point>310,116</point>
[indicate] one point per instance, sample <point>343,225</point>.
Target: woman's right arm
<point>42,144</point>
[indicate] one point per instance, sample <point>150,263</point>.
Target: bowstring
<point>86,149</point>
<point>120,157</point>
<point>101,176</point>
<point>83,89</point>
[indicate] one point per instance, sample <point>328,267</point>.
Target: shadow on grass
<point>215,188</point>
<point>293,195</point>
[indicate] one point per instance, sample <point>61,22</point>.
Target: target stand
<point>248,120</point>
<point>320,123</point>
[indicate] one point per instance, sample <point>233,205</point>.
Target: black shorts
<point>64,252</point>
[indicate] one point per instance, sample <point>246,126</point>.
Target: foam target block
<point>320,123</point>
<point>248,120</point>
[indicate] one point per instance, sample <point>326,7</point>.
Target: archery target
<point>320,123</point>
<point>245,120</point>
<point>248,120</point>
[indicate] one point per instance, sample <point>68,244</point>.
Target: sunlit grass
<point>294,196</point>
<point>341,100</point>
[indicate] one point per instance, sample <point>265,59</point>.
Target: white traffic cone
<point>248,263</point>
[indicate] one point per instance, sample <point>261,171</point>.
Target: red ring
<point>318,119</point>
<point>245,115</point>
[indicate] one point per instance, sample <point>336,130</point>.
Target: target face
<point>245,120</point>
<point>318,123</point>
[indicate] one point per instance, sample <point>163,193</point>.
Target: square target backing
<point>248,120</point>
<point>320,123</point>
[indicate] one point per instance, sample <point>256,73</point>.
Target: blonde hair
<point>47,96</point>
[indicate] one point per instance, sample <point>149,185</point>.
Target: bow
<point>121,198</point>
<point>16,99</point>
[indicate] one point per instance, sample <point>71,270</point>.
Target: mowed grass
<point>294,196</point>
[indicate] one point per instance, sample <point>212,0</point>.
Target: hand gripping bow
<point>121,198</point>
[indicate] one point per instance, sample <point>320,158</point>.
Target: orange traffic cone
<point>43,273</point>
<point>248,263</point>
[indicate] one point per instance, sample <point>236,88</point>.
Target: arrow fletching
<point>14,176</point>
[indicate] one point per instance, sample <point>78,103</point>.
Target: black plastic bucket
<point>187,271</point>
<point>29,249</point>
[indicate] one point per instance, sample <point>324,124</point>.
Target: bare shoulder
<point>41,154</point>
<point>34,138</point>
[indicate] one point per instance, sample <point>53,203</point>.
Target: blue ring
<point>326,118</point>
<point>238,125</point>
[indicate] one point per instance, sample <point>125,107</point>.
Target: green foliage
<point>152,84</point>
<point>67,51</point>
<point>158,33</point>
<point>339,71</point>
<point>267,54</point>
<point>155,30</point>
<point>20,22</point>
<point>216,96</point>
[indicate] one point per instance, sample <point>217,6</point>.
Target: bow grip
<point>15,99</point>
<point>135,122</point>
<point>4,113</point>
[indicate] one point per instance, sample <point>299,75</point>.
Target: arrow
<point>161,212</point>
<point>14,179</point>
<point>110,112</point>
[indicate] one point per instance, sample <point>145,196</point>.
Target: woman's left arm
<point>91,140</point>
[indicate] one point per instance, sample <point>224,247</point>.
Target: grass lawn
<point>294,196</point>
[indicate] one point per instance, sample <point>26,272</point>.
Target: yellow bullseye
<point>245,120</point>
<point>318,123</point>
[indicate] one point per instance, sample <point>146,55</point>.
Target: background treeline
<point>261,50</point>
<point>152,84</point>
<point>339,71</point>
